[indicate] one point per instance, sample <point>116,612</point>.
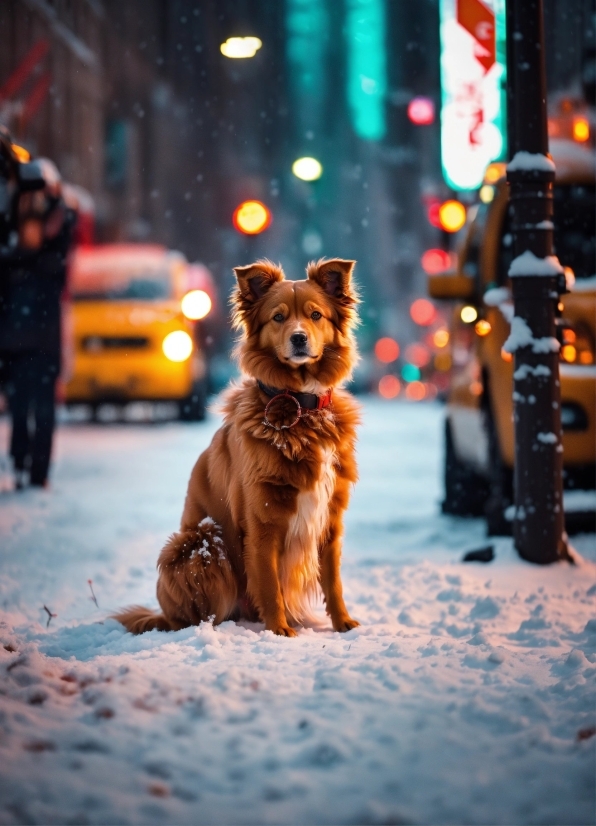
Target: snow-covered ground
<point>466,696</point>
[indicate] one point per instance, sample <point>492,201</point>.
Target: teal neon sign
<point>367,72</point>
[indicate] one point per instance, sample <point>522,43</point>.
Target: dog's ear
<point>256,279</point>
<point>254,282</point>
<point>335,277</point>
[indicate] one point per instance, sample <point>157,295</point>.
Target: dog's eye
<point>279,317</point>
<point>316,315</point>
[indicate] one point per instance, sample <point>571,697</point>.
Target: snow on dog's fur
<point>262,523</point>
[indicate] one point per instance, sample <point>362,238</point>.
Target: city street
<point>466,696</point>
<point>395,197</point>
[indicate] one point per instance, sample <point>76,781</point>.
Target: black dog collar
<point>307,401</point>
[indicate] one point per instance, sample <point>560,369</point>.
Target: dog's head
<point>296,334</point>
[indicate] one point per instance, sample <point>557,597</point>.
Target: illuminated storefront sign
<point>473,111</point>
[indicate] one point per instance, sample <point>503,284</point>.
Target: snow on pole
<point>529,264</point>
<point>532,161</point>
<point>537,280</point>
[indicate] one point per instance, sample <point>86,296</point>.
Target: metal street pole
<point>537,281</point>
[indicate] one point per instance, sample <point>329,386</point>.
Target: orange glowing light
<point>22,154</point>
<point>506,356</point>
<point>418,355</point>
<point>435,261</point>
<point>387,350</point>
<point>482,327</point>
<point>569,277</point>
<point>251,217</point>
<point>389,387</point>
<point>569,353</point>
<point>441,338</point>
<point>569,336</point>
<point>585,357</point>
<point>476,388</point>
<point>415,391</point>
<point>423,312</point>
<point>494,172</point>
<point>452,216</point>
<point>581,130</point>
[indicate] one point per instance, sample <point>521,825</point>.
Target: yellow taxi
<point>479,436</point>
<point>133,328</point>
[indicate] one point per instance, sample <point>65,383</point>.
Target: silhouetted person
<point>34,275</point>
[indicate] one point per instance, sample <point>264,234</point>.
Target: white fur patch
<point>299,564</point>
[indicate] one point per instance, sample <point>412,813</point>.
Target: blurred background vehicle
<point>479,442</point>
<point>137,310</point>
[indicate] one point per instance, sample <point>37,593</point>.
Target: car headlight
<point>577,346</point>
<point>177,346</point>
<point>196,304</point>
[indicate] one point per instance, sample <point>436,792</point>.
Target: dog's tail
<point>137,620</point>
<point>196,583</point>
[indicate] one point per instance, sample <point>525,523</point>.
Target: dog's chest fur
<point>299,563</point>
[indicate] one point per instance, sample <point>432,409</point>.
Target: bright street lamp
<point>240,47</point>
<point>307,169</point>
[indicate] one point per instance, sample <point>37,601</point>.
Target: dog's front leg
<point>330,557</point>
<point>263,545</point>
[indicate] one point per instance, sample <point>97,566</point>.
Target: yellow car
<point>133,329</point>
<point>479,437</point>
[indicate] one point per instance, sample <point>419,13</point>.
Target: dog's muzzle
<point>299,342</point>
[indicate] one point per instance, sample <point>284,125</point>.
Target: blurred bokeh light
<point>240,47</point>
<point>423,312</point>
<point>387,350</point>
<point>251,217</point>
<point>307,169</point>
<point>389,387</point>
<point>196,305</point>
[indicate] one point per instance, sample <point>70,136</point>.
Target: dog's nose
<point>298,339</point>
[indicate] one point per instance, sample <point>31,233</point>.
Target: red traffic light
<point>251,217</point>
<point>421,111</point>
<point>446,215</point>
<point>432,211</point>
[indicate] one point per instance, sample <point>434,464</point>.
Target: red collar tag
<point>324,401</point>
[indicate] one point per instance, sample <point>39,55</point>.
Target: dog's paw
<point>283,631</point>
<point>345,624</point>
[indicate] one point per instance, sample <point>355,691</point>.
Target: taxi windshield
<point>109,280</point>
<point>575,228</point>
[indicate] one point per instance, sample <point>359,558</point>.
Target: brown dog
<point>262,523</point>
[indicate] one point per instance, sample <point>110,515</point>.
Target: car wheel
<point>193,407</point>
<point>465,490</point>
<point>500,484</point>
